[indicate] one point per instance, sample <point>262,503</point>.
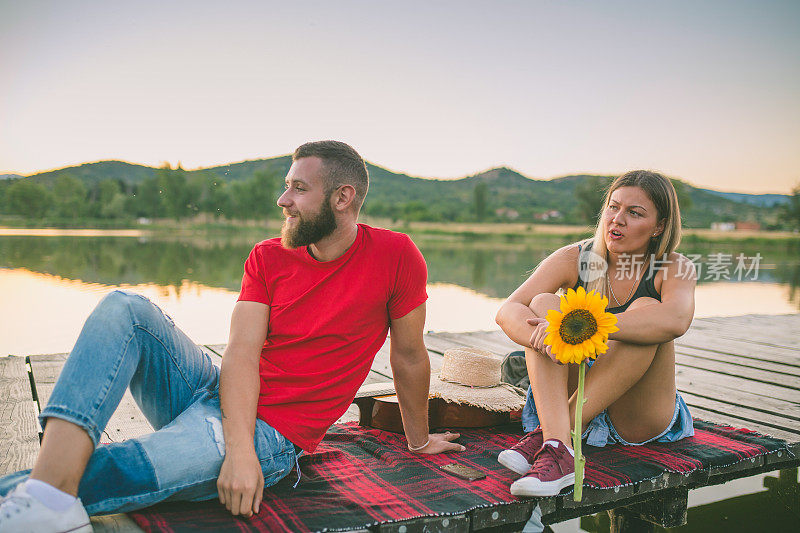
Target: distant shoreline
<point>515,231</point>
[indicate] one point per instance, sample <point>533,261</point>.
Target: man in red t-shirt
<point>314,309</point>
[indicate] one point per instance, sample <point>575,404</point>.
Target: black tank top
<point>646,286</point>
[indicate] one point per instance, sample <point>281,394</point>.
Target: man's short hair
<point>342,164</point>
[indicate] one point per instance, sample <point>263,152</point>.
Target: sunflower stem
<point>577,434</point>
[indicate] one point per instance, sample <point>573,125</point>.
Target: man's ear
<point>344,197</point>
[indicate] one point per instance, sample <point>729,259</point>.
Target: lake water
<point>50,282</point>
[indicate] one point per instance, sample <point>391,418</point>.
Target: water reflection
<point>498,269</point>
<point>40,313</point>
<point>491,268</point>
<point>131,261</point>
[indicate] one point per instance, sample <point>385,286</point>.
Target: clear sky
<point>707,91</point>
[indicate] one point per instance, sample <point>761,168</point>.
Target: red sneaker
<point>553,470</point>
<point>520,456</point>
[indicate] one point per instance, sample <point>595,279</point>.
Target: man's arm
<point>241,482</point>
<point>412,371</point>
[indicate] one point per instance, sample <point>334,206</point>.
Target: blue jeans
<point>129,342</point>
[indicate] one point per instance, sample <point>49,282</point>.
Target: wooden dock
<point>742,371</point>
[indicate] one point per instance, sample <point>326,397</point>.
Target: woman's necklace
<point>635,283</point>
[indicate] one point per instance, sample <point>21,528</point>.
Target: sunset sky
<point>706,91</point>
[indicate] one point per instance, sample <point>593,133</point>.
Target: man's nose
<point>283,201</point>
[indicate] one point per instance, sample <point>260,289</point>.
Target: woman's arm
<point>559,269</point>
<point>665,321</point>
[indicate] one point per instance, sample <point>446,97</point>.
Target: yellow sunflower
<point>582,327</point>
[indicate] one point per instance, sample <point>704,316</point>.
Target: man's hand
<point>442,443</point>
<point>241,483</point>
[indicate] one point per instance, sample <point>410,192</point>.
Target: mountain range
<point>510,195</point>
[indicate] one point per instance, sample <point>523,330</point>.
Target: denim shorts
<point>601,431</point>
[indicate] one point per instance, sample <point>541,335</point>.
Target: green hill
<point>509,195</point>
<point>93,173</point>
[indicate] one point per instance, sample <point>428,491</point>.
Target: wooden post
<point>625,521</point>
<point>667,510</point>
<point>18,429</point>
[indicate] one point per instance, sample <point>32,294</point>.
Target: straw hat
<point>472,376</point>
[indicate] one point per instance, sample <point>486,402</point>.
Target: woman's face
<point>630,220</point>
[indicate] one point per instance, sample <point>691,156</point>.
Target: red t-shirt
<point>327,320</point>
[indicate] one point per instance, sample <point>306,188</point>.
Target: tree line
<point>177,194</point>
<point>170,193</point>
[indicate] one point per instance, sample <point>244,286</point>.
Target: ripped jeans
<point>129,342</point>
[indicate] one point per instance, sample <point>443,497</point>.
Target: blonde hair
<point>661,192</point>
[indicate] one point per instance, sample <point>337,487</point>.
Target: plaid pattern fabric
<point>360,477</point>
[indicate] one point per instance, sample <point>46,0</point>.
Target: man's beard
<point>309,230</point>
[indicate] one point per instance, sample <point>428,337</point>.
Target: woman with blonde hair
<point>630,390</point>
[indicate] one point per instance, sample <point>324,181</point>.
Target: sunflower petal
<point>554,318</point>
<point>565,354</point>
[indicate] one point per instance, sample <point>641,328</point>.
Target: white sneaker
<point>22,513</point>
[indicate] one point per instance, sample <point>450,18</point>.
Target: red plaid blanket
<point>360,477</point>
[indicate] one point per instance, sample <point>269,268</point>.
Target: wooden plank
<point>705,341</point>
<point>698,377</point>
<point>739,396</point>
<point>18,427</point>
<point>375,377</point>
<point>500,336</point>
<point>502,515</point>
<point>767,324</point>
<point>783,341</point>
<point>667,510</point>
<point>114,523</point>
<point>440,524</point>
<point>217,349</point>
<point>762,328</point>
<point>744,413</point>
<point>729,420</point>
<point>482,341</point>
<point>384,388</point>
<point>595,497</point>
<point>765,329</point>
<point>595,500</point>
<point>381,362</point>
<point>740,360</point>
<point>435,342</point>
<point>216,358</point>
<point>127,422</point>
<point>753,374</point>
<point>744,344</point>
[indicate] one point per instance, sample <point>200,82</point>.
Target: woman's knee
<point>542,303</point>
